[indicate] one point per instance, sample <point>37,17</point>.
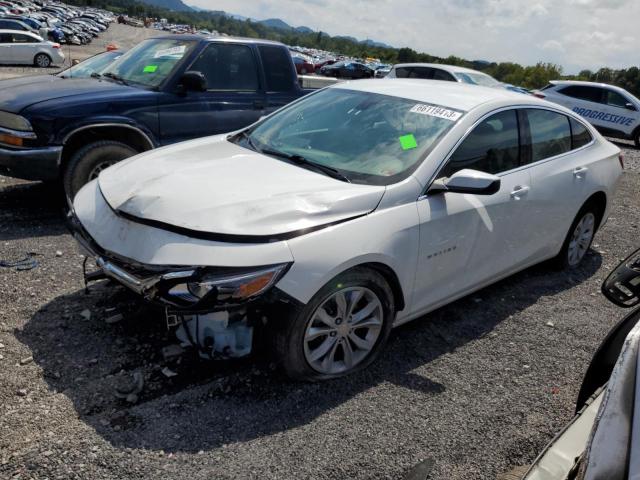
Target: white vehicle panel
<point>154,246</point>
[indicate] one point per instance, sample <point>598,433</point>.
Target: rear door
<point>234,96</point>
<point>24,48</point>
<point>560,172</point>
<point>467,240</point>
<point>279,77</point>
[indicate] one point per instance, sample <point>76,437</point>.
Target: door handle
<point>519,191</point>
<point>580,172</point>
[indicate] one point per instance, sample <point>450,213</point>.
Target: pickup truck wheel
<point>42,60</point>
<point>87,163</point>
<point>341,330</point>
<point>579,237</point>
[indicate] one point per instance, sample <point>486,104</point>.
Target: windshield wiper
<point>115,77</point>
<point>247,136</point>
<point>303,162</point>
<point>96,75</point>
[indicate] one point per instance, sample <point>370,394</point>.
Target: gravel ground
<point>123,36</point>
<point>478,386</point>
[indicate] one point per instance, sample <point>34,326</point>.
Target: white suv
<point>612,110</point>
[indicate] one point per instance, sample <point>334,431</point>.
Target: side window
<point>424,73</point>
<point>550,134</point>
<point>581,92</point>
<point>6,38</point>
<point>18,38</point>
<point>580,136</point>
<point>492,147</point>
<point>442,75</point>
<point>615,99</point>
<point>228,67</point>
<point>277,68</point>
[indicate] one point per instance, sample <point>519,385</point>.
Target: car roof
<point>587,84</point>
<point>456,95</point>
<point>207,38</point>
<point>24,32</point>
<point>447,68</point>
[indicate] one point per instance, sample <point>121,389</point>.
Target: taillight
<point>539,95</point>
<point>621,160</point>
<point>55,45</point>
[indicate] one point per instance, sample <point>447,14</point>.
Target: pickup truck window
<point>150,62</point>
<point>228,67</point>
<point>277,68</point>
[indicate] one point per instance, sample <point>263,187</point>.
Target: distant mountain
<point>304,29</point>
<point>276,23</point>
<point>175,5</point>
<point>373,43</point>
<point>346,37</point>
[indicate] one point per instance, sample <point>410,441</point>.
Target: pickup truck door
<point>280,77</point>
<point>234,96</point>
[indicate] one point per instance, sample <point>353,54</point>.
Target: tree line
<point>533,76</point>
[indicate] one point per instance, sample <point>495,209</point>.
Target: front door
<point>234,97</point>
<point>469,240</point>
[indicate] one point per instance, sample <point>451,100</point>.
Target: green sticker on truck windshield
<point>150,68</point>
<point>407,142</point>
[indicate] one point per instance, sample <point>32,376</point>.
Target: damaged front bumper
<point>215,309</point>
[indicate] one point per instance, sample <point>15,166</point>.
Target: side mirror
<point>468,181</point>
<point>193,81</point>
<point>630,106</point>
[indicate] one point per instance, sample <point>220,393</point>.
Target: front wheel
<point>579,237</point>
<point>87,163</point>
<point>341,330</point>
<point>42,60</point>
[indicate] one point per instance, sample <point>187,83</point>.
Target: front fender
<point>64,134</point>
<point>389,237</point>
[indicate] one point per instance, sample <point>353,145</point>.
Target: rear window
<point>550,134</point>
<point>424,73</point>
<point>277,68</point>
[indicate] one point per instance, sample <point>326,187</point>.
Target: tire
<point>517,473</point>
<point>565,259</point>
<point>295,348</point>
<point>90,160</point>
<point>42,60</point>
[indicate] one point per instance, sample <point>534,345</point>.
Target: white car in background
<point>612,110</point>
<point>356,208</point>
<point>26,48</point>
<point>436,71</point>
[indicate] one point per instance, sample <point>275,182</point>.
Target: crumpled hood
<point>16,95</point>
<point>214,186</point>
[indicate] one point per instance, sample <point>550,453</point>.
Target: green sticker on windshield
<point>407,142</point>
<point>150,68</point>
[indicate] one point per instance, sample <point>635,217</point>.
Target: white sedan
<point>358,207</point>
<point>26,48</point>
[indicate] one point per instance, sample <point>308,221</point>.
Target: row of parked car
<point>31,31</point>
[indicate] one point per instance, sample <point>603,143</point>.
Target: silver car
<point>26,48</point>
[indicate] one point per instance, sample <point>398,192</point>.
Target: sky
<point>575,34</point>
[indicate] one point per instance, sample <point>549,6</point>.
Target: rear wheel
<point>87,163</point>
<point>579,237</point>
<point>341,330</point>
<point>42,60</point>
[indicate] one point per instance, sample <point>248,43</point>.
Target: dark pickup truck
<point>165,90</point>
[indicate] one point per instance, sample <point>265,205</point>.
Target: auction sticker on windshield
<point>167,52</point>
<point>434,111</point>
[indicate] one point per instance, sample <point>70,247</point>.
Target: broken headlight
<point>229,288</point>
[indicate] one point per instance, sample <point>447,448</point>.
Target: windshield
<point>369,138</point>
<point>94,64</point>
<point>477,79</point>
<point>150,62</point>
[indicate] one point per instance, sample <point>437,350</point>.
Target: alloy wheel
<point>99,168</point>
<point>581,239</point>
<point>343,330</point>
